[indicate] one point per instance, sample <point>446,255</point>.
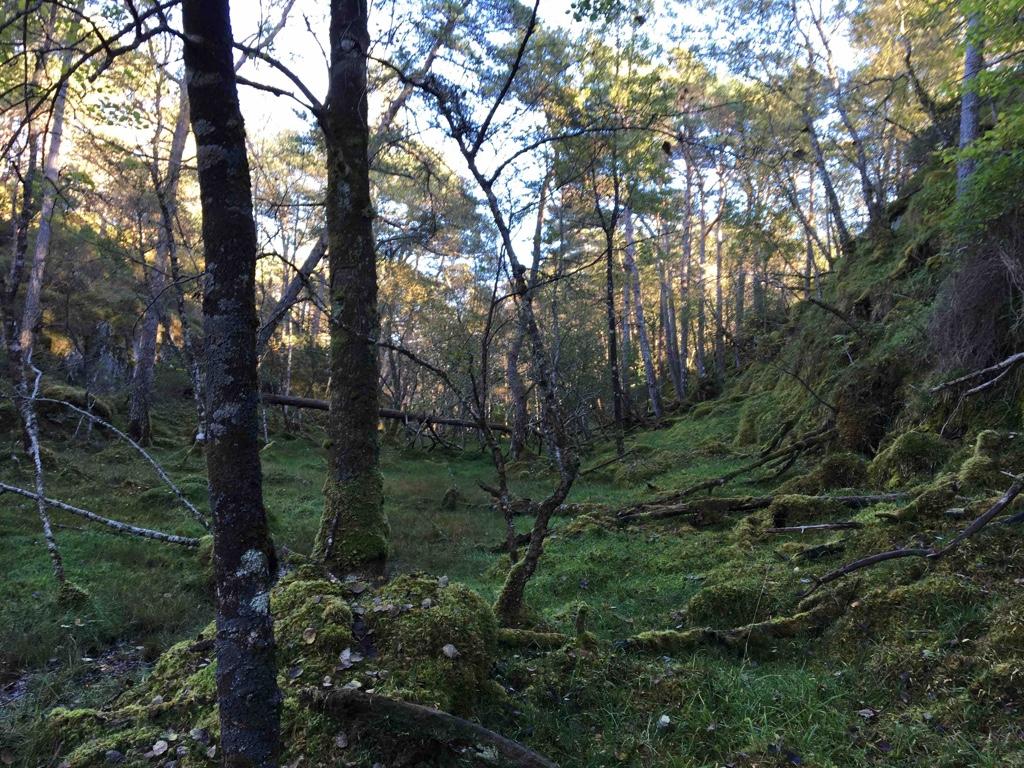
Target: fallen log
<point>115,525</point>
<point>424,721</point>
<point>929,553</point>
<point>813,616</point>
<point>703,507</point>
<point>385,413</point>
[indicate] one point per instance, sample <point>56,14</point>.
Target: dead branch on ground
<point>930,553</point>
<point>116,525</point>
<point>422,721</point>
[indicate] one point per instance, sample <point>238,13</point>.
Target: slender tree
<point>244,564</point>
<point>354,530</point>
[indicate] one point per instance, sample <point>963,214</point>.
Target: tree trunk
<point>613,352</point>
<point>668,322</point>
<point>139,426</point>
<point>737,325</point>
<point>845,238</point>
<point>354,530</point>
<point>244,564</point>
<point>719,306</point>
<point>684,282</point>
<point>970,101</point>
<point>641,326</point>
<point>808,238</point>
<point>31,312</point>
<point>702,250</point>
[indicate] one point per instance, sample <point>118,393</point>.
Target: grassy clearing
<point>915,673</point>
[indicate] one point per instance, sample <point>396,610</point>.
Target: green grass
<point>795,703</point>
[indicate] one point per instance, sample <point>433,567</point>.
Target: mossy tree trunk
<point>248,697</point>
<point>354,531</point>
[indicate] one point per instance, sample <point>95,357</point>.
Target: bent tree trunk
<point>354,530</point>
<point>247,692</point>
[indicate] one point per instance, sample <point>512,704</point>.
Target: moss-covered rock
<point>911,457</point>
<point>439,640</point>
<point>993,453</point>
<point>77,397</point>
<point>836,470</point>
<point>418,638</point>
<point>979,474</point>
<point>932,499</point>
<point>730,604</point>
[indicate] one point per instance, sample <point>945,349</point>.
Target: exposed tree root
<point>528,638</point>
<point>423,721</point>
<point>116,525</point>
<point>930,553</point>
<point>813,615</point>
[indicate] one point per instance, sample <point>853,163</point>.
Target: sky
<point>302,46</point>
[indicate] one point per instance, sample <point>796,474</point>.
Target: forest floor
<point>907,682</point>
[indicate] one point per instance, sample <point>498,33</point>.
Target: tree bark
<point>970,101</point>
<point>614,371</point>
<point>248,697</point>
<point>354,530</point>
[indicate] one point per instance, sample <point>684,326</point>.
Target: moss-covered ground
<point>920,665</point>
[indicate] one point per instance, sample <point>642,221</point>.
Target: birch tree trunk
<point>31,311</point>
<point>249,701</point>
<point>668,322</point>
<point>970,101</point>
<point>354,531</point>
<point>684,282</point>
<point>641,326</point>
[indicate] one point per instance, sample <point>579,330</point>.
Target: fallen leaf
<point>309,635</point>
